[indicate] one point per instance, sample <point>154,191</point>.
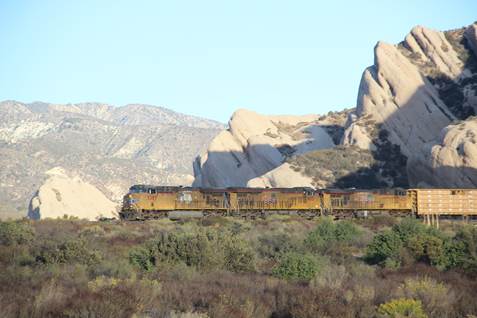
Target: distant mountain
<point>108,147</point>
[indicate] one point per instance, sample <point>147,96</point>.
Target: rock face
<point>107,147</point>
<point>282,176</point>
<point>253,149</point>
<point>452,162</point>
<point>63,195</point>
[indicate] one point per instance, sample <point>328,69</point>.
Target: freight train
<point>144,202</point>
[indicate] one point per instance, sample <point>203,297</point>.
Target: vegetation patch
<point>278,267</point>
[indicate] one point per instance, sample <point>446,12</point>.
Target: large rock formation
<point>413,92</point>
<point>108,147</point>
<point>406,123</point>
<point>255,146</point>
<point>452,161</point>
<point>62,195</point>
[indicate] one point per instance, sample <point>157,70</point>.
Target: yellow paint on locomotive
<point>366,201</point>
<point>273,200</point>
<point>154,200</point>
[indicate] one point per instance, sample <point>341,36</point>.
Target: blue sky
<point>205,58</point>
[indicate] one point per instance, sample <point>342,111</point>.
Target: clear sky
<point>205,58</point>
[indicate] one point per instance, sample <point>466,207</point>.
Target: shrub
<point>296,266</point>
<point>399,308</point>
<point>15,232</point>
<point>142,257</point>
<point>384,245</point>
<point>238,256</point>
<point>436,297</point>
<point>328,232</point>
<point>71,251</point>
<point>462,251</point>
<point>274,246</point>
<point>409,227</point>
<point>429,249</point>
<point>194,249</point>
<point>411,241</point>
<point>201,249</point>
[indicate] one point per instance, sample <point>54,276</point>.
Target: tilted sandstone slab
<point>256,144</point>
<point>395,95</point>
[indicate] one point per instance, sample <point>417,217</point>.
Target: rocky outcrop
<point>62,195</point>
<point>415,92</point>
<point>452,162</point>
<point>108,147</point>
<point>282,176</point>
<point>254,147</point>
<point>396,96</point>
<point>407,108</point>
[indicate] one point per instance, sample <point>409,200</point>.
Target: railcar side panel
<point>444,201</point>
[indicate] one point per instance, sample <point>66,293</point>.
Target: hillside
<point>108,147</point>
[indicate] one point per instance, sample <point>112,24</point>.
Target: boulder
<point>62,194</point>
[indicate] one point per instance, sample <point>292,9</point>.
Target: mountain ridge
<point>108,148</point>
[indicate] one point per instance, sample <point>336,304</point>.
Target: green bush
<point>400,308</point>
<point>142,257</point>
<point>296,266</point>
<point>328,232</point>
<point>274,246</point>
<point>409,227</point>
<point>462,251</point>
<point>71,251</point>
<point>238,256</point>
<point>207,249</point>
<point>429,249</point>
<point>15,232</point>
<point>385,245</point>
<point>411,241</point>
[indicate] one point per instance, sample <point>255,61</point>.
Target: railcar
<point>151,202</point>
<point>344,203</point>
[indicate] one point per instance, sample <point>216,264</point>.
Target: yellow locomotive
<point>151,202</point>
